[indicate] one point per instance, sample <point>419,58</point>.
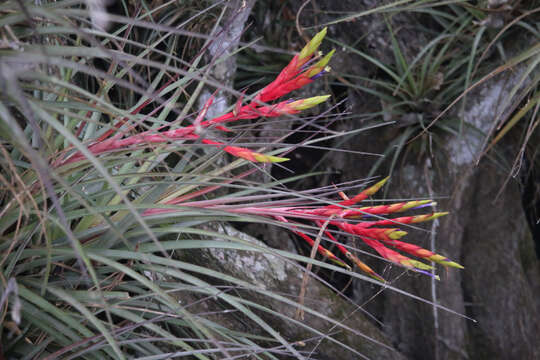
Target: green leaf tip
<point>304,104</point>
<point>313,45</point>
<point>268,158</point>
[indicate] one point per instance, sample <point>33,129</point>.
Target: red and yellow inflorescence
<point>344,216</point>
<point>376,234</point>
<point>301,71</point>
<point>347,217</point>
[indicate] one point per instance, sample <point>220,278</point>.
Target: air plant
<point>95,228</point>
<point>299,72</point>
<point>345,216</point>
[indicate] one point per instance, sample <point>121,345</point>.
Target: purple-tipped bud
<point>326,70</point>
<point>424,205</point>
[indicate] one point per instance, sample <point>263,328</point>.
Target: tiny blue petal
<point>318,75</point>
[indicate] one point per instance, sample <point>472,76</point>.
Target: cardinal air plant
<point>91,198</point>
<point>363,222</point>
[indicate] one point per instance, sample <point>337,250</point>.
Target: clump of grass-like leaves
<point>465,45</point>
<point>108,172</point>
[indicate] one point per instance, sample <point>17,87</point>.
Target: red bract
<point>294,80</point>
<point>295,75</point>
<point>245,153</point>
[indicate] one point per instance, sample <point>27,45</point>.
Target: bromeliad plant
<point>367,223</point>
<point>303,69</point>
<point>92,210</point>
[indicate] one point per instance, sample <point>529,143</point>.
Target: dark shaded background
<point>493,223</point>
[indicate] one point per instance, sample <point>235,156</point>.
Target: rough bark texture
<point>221,51</point>
<point>500,285</point>
<point>274,274</point>
<point>502,297</point>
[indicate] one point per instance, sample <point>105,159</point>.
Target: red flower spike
<point>386,235</point>
<point>375,237</point>
<point>387,209</point>
<point>281,108</point>
<point>189,132</point>
<point>389,253</point>
<point>423,253</point>
<point>368,210</point>
<point>404,220</point>
<point>362,196</point>
<point>390,236</point>
<point>374,233</point>
<point>289,78</point>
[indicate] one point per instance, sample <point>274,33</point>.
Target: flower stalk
<point>295,75</point>
<point>348,218</point>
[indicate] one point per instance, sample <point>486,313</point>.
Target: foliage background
<point>446,91</point>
